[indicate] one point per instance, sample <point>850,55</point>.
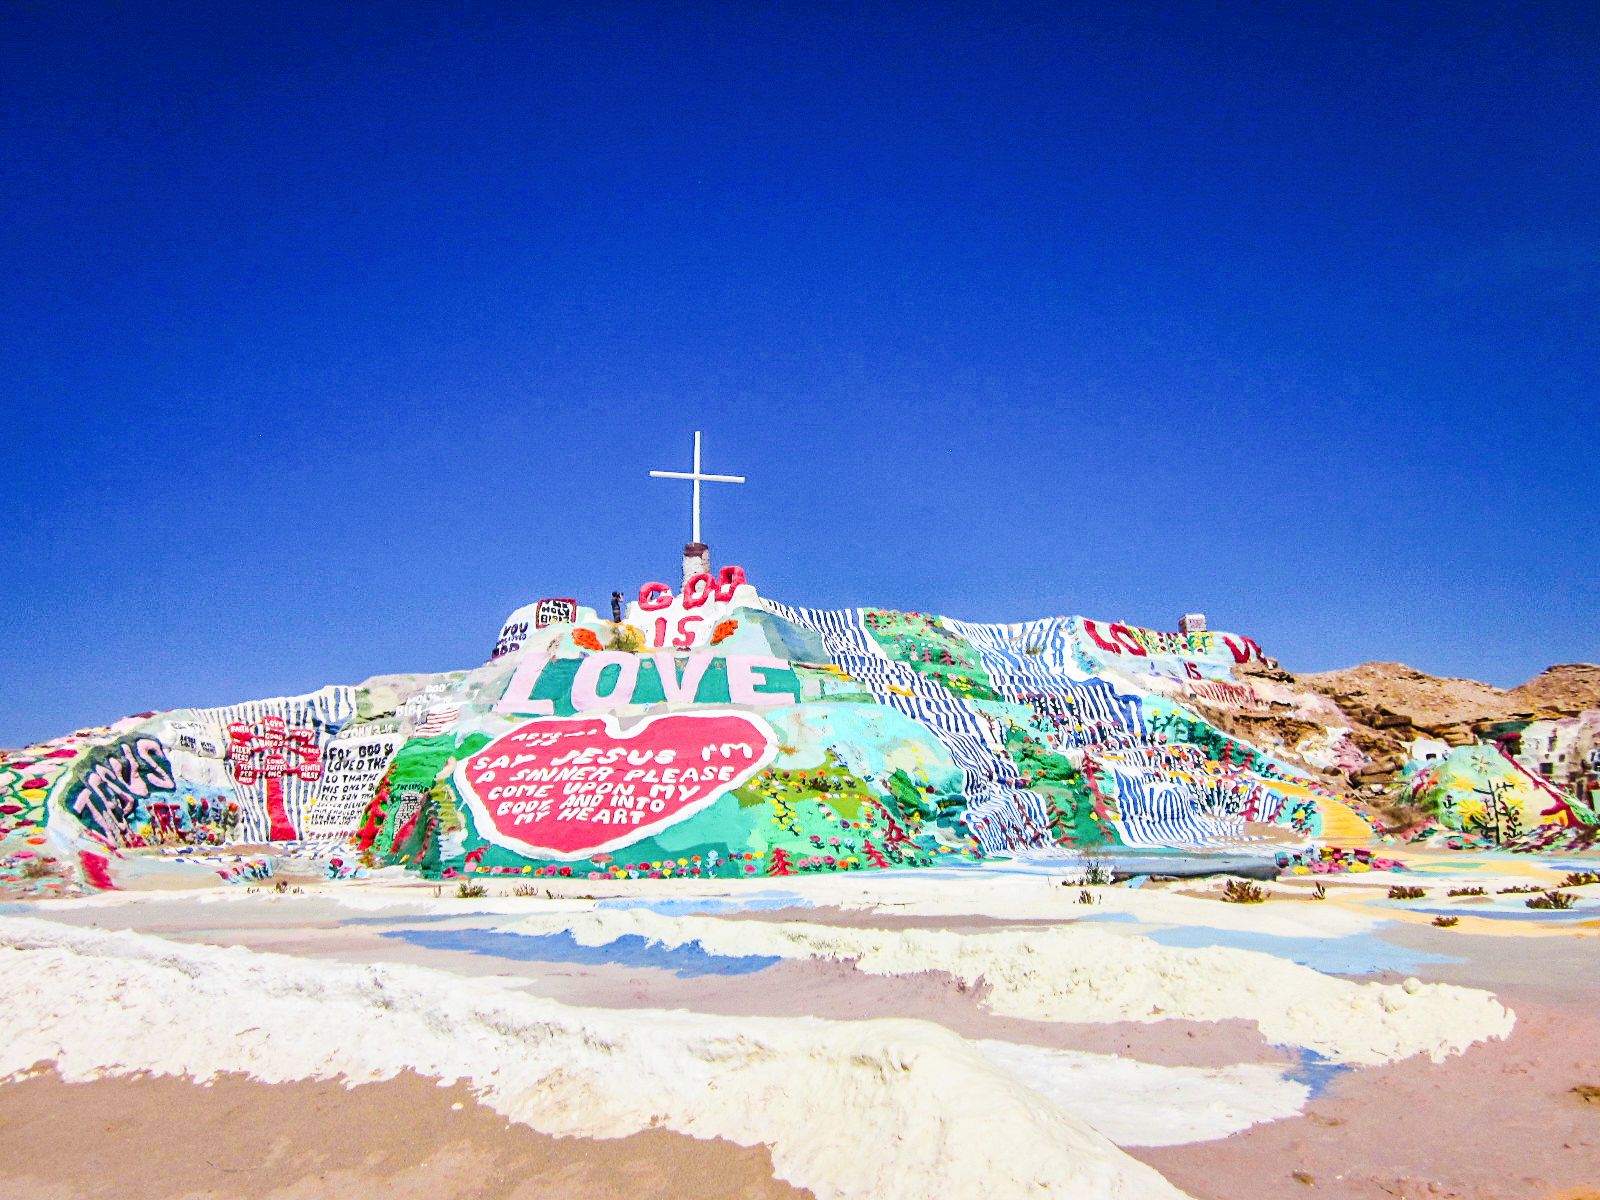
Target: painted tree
<point>377,808</point>
<point>1501,820</point>
<point>419,769</point>
<point>268,752</point>
<point>909,796</point>
<point>784,816</point>
<point>874,855</point>
<point>893,835</point>
<point>778,862</point>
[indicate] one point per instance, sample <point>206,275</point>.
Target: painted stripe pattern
<point>324,712</point>
<point>1162,794</point>
<point>1001,814</point>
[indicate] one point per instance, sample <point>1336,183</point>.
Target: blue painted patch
<point>687,962</point>
<point>756,901</point>
<point>1520,912</point>
<point>1313,1070</point>
<point>1585,863</point>
<point>1111,918</point>
<point>1362,954</point>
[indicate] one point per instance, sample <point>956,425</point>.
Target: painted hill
<point>714,732</point>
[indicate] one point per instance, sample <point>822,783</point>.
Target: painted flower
<point>587,638</point>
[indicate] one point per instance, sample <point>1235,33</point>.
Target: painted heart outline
<point>519,784</point>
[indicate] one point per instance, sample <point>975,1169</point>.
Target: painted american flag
<point>438,719</point>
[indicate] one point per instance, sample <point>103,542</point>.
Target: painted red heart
<point>567,788</point>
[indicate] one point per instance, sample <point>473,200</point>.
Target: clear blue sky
<point>331,333</point>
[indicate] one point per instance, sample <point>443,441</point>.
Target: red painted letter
<point>696,590</point>
<point>655,595</point>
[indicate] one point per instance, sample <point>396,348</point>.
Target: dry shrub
<point>1242,891</point>
<point>626,637</point>
<point>1095,874</point>
<point>1400,814</point>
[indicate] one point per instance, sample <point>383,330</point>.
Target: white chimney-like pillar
<point>696,560</point>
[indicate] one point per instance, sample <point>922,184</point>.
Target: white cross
<point>698,479</point>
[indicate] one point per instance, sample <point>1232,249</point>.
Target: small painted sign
<point>553,612</point>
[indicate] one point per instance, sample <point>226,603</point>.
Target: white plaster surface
<point>1078,973</point>
<point>832,1099</point>
<point>1142,1104</point>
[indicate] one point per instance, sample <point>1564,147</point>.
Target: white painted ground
<point>1079,973</point>
<point>1141,1104</point>
<point>833,1099</point>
